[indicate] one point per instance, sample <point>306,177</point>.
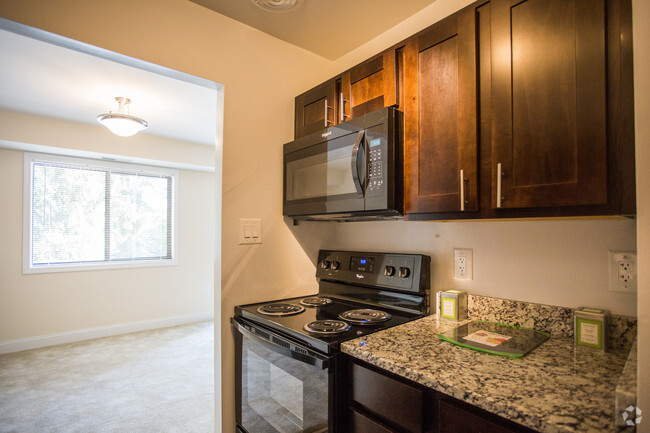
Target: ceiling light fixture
<point>277,5</point>
<point>122,123</point>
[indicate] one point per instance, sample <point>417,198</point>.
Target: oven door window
<point>323,170</point>
<point>279,393</point>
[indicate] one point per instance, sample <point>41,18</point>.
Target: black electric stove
<point>395,284</point>
<point>294,325</point>
<point>288,350</point>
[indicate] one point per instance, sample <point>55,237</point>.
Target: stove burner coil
<point>280,309</point>
<point>326,327</point>
<point>365,316</point>
<point>316,301</point>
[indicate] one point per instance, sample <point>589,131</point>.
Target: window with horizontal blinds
<point>87,212</point>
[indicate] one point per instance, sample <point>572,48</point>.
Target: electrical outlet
<point>463,263</point>
<point>622,271</point>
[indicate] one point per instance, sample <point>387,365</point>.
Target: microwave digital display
<point>375,142</point>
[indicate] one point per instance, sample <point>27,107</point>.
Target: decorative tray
<point>495,338</point>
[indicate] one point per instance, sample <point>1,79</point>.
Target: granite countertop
<point>555,388</point>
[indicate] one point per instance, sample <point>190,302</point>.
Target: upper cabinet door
<point>368,86</point>
<point>316,109</point>
<point>549,136</point>
<point>440,117</point>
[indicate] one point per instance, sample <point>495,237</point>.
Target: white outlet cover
<point>616,282</point>
<point>463,264</point>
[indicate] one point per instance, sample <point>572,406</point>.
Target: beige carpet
<point>153,381</point>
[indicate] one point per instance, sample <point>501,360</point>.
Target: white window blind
<point>85,212</point>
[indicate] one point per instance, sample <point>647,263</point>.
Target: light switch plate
<point>250,231</point>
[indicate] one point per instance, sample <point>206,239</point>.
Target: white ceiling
<point>329,28</point>
<point>40,78</point>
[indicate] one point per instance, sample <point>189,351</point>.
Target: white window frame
<point>30,158</point>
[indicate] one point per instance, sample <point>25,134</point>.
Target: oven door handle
<point>283,346</point>
<point>356,150</point>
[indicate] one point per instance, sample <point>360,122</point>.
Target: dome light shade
<point>121,123</point>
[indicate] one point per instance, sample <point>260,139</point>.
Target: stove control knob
<point>325,264</point>
<point>404,272</point>
<point>389,271</point>
<point>335,266</point>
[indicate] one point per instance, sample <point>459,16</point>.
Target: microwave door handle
<point>299,355</point>
<point>355,163</point>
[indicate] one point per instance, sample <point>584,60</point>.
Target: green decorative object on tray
<point>495,338</point>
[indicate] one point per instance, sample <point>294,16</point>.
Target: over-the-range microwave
<point>351,171</point>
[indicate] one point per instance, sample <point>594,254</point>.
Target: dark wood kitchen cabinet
<point>554,105</point>
<point>366,87</point>
<point>549,110</point>
<point>369,86</point>
<point>384,401</point>
<point>378,401</point>
<point>558,132</point>
<point>316,109</point>
<point>440,117</point>
<point>512,109</point>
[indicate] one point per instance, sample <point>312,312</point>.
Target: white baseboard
<point>102,331</point>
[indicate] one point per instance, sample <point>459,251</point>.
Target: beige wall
<point>261,77</point>
<point>641,10</point>
<point>37,305</point>
<point>557,262</point>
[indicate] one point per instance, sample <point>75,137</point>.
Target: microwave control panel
<point>375,164</point>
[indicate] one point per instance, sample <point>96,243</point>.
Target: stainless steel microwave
<point>351,171</point>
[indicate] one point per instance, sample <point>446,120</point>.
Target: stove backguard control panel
<point>405,272</point>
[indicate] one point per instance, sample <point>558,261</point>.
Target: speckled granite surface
<point>555,388</point>
<point>558,321</point>
<point>621,332</point>
<point>626,394</point>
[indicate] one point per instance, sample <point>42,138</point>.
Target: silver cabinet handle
<point>342,107</point>
<point>327,121</point>
<point>499,173</point>
<point>462,190</point>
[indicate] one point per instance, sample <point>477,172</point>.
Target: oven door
<point>281,387</point>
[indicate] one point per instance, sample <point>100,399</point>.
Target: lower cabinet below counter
<point>377,401</point>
